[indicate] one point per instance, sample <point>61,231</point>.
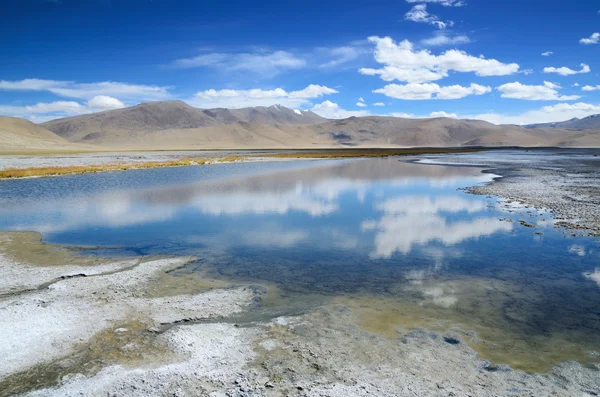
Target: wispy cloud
<point>43,111</point>
<point>444,39</point>
<point>262,63</point>
<point>419,14</point>
<point>73,89</point>
<point>445,3</point>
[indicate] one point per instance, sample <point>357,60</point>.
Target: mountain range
<point>177,125</point>
<point>587,123</point>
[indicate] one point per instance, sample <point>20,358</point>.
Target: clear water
<point>395,240</point>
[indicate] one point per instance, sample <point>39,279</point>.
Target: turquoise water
<point>369,227</point>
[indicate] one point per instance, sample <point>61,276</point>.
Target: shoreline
<point>290,356</point>
<point>184,159</point>
<point>126,337</point>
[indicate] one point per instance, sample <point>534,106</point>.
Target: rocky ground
<point>563,181</point>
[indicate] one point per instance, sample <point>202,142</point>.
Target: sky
<point>503,61</point>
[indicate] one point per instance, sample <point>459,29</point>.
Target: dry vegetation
<point>345,153</point>
<point>52,171</point>
<point>320,154</point>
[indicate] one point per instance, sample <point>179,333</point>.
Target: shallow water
<point>391,239</point>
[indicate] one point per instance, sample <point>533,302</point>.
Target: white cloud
<point>103,102</point>
<point>267,64</point>
<point>72,89</point>
<point>547,53</point>
<point>546,92</point>
<point>361,104</point>
<point>442,39</point>
<point>379,104</point>
<point>403,115</point>
<point>401,62</point>
<point>419,14</point>
<point>546,114</point>
<point>427,91</point>
<point>342,55</point>
<point>418,220</point>
<point>577,249</point>
<point>594,276</point>
<point>590,87</point>
<point>564,71</point>
<point>44,111</point>
<point>593,39</point>
<point>443,114</point>
<point>575,84</point>
<point>446,3</point>
<point>332,110</point>
<point>257,97</point>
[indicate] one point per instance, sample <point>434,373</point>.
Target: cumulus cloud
<point>72,89</point>
<point>419,14</point>
<point>547,53</point>
<point>593,39</point>
<point>446,3</point>
<point>103,102</point>
<point>332,110</point>
<point>379,104</point>
<point>564,71</point>
<point>590,87</point>
<point>442,39</point>
<point>361,103</point>
<point>267,64</point>
<point>401,62</point>
<point>546,92</point>
<point>258,97</point>
<point>415,91</point>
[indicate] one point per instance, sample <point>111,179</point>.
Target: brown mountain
<point>176,125</point>
<point>22,135</point>
<point>122,124</point>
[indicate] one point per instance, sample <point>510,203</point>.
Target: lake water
<point>397,242</point>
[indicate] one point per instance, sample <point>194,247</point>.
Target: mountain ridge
<point>175,125</point>
<point>587,123</point>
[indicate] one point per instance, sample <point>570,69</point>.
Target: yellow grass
<point>314,154</point>
<point>52,171</point>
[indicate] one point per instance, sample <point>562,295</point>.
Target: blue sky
<point>503,61</point>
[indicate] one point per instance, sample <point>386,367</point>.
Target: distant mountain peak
<point>591,122</point>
